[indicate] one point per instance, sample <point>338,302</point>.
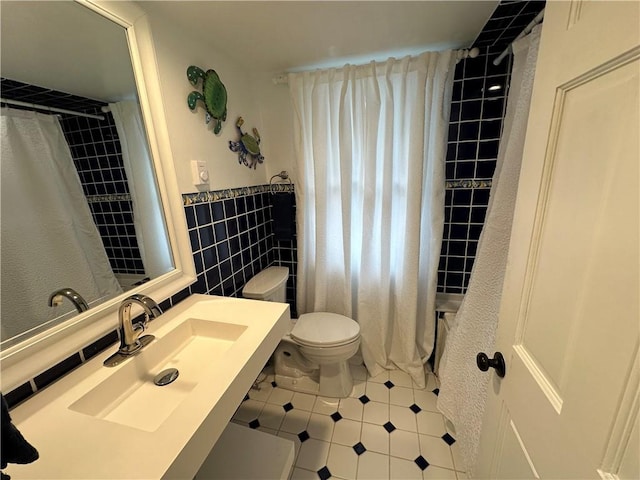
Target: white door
<point>569,318</point>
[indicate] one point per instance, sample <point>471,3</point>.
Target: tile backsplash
<point>232,239</point>
<point>472,150</point>
<point>96,152</point>
<point>480,91</point>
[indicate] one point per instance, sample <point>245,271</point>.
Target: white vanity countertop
<point>75,445</point>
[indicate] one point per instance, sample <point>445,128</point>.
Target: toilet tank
<point>269,285</point>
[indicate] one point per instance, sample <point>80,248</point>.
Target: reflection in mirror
<point>80,206</point>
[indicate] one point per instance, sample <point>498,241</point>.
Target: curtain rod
<point>50,109</point>
<point>283,78</point>
<point>526,30</point>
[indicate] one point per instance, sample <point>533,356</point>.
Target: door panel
<point>568,322</point>
<point>514,462</point>
<point>584,236</point>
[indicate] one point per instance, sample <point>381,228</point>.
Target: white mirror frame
<point>25,360</point>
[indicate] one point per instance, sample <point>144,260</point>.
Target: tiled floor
<point>386,429</point>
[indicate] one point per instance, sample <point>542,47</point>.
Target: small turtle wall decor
<point>247,146</point>
<point>214,95</point>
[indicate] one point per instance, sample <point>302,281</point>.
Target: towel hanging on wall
<point>283,215</point>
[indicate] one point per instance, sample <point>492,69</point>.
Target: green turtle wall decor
<point>214,95</point>
<point>247,145</point>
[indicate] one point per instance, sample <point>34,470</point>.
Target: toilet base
<point>328,378</point>
<point>334,381</point>
<point>298,384</point>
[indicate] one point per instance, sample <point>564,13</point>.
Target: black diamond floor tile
<point>415,408</point>
<point>364,399</point>
<point>287,407</point>
<point>359,448</point>
<point>421,462</point>
<point>448,439</point>
<point>324,473</point>
<point>389,384</point>
<point>389,427</point>
<point>303,436</point>
<point>436,391</point>
<point>274,384</point>
<point>336,416</point>
<point>254,423</point>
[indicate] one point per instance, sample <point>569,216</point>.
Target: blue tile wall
<point>477,111</point>
<point>232,240</point>
<point>285,254</point>
<point>95,148</point>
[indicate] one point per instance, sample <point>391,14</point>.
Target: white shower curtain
<point>370,146</point>
<point>463,386</point>
<point>148,218</point>
<point>49,240</point>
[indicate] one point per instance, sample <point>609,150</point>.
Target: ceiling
<point>277,36</point>
<point>65,46</point>
<point>265,36</point>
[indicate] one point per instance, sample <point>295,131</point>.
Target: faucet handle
<point>141,326</point>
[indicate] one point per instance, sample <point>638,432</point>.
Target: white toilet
<point>314,356</point>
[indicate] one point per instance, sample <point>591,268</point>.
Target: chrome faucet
<point>130,340</point>
<point>75,298</point>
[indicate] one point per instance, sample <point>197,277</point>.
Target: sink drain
<point>165,377</point>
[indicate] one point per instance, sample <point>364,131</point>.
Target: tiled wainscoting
<point>232,239</point>
<point>474,135</point>
<point>96,152</point>
<point>387,429</point>
<point>477,112</point>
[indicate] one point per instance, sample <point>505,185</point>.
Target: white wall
<point>277,120</point>
<point>190,137</point>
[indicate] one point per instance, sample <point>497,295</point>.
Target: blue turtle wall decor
<point>247,146</point>
<point>214,95</point>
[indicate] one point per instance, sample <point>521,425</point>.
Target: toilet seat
<point>323,329</point>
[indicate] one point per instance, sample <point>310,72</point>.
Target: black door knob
<point>497,362</point>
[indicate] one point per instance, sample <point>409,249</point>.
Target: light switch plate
<point>199,172</point>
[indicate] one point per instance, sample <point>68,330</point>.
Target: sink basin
<point>130,397</point>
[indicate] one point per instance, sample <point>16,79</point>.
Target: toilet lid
<point>265,283</point>
<point>325,328</point>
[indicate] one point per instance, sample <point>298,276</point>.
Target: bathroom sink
<point>116,423</point>
<point>130,397</point>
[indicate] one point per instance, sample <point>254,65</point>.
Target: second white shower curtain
<point>370,145</point>
<point>49,240</point>
<point>463,387</point>
<point>147,214</point>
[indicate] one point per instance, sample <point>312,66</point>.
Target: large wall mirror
<point>90,213</point>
